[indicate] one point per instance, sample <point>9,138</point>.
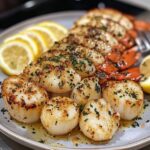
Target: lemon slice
<point>40,39</point>
<point>145,66</point>
<point>145,84</point>
<point>32,42</point>
<point>59,31</point>
<point>50,38</point>
<point>14,56</point>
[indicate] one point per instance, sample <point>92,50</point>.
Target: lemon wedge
<point>14,56</point>
<point>145,66</point>
<point>59,31</point>
<point>28,40</point>
<point>145,84</point>
<point>50,37</point>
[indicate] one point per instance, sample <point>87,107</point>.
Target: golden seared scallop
<point>87,89</point>
<point>60,115</point>
<point>60,79</point>
<point>98,121</point>
<point>23,99</point>
<point>126,97</point>
<point>54,73</point>
<point>96,57</point>
<point>83,66</point>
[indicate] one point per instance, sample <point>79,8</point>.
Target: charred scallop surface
<point>126,97</point>
<point>86,90</point>
<point>23,99</point>
<point>60,115</point>
<point>98,121</point>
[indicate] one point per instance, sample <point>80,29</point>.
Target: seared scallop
<point>98,121</point>
<point>126,97</point>
<point>68,45</point>
<point>23,99</point>
<point>78,57</point>
<point>54,73</point>
<point>97,33</point>
<point>60,79</point>
<point>106,24</point>
<point>83,66</point>
<point>87,89</point>
<point>114,15</point>
<point>60,115</point>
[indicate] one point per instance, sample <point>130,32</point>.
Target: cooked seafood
<point>126,97</point>
<point>127,21</point>
<point>23,99</point>
<point>60,115</point>
<point>98,34</point>
<point>54,73</point>
<point>98,121</point>
<point>72,47</point>
<point>108,25</point>
<point>99,52</point>
<point>85,90</point>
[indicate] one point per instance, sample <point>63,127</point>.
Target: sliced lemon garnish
<point>50,37</point>
<point>40,39</point>
<point>14,56</point>
<point>145,66</point>
<point>59,31</point>
<point>145,84</point>
<point>25,38</point>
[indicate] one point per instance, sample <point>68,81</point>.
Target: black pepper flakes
<point>145,106</point>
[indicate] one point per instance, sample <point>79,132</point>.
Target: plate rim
<point>34,144</point>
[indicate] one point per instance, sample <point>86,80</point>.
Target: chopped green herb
<point>145,106</point>
<point>3,110</point>
<point>91,105</point>
<point>97,88</point>
<point>41,141</point>
<point>135,124</point>
<point>109,112</point>
<point>97,113</point>
<point>81,107</point>
<point>132,105</point>
<point>55,122</point>
<point>86,120</point>
<point>84,113</point>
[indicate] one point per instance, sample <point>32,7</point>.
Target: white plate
<point>125,138</point>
